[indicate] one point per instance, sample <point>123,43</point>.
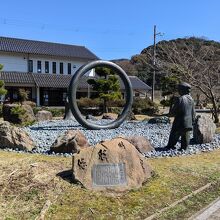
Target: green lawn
<point>28,181</point>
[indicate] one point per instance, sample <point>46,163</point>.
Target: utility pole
<point>154,61</point>
<point>154,64</point>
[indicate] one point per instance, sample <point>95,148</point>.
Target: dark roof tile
<point>52,80</point>
<point>45,48</point>
<point>59,81</point>
<point>17,77</point>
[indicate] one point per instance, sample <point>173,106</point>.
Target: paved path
<point>212,212</point>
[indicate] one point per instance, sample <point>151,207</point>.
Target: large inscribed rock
<point>113,165</point>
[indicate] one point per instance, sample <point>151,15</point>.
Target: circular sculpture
<point>73,88</point>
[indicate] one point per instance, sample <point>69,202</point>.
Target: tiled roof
<point>51,80</point>
<point>45,48</point>
<point>138,84</point>
<point>17,77</point>
<point>59,81</point>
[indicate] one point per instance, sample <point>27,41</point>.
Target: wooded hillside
<point>168,54</point>
<point>193,60</point>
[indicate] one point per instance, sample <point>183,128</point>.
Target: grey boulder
<point>203,129</point>
<point>70,141</point>
<point>44,115</point>
<point>14,138</point>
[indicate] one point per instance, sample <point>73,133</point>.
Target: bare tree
<point>199,65</point>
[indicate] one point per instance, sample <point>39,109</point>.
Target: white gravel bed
<point>45,133</point>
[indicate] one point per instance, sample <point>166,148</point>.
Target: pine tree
<point>108,88</point>
<point>2,90</point>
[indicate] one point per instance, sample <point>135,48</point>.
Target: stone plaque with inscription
<point>109,174</point>
<point>111,166</point>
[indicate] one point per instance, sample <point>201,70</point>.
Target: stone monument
<point>113,166</point>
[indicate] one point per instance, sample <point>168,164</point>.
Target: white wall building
<point>25,60</point>
<point>45,69</point>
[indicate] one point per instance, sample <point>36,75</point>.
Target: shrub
<point>144,106</point>
<point>36,109</point>
<point>23,95</point>
<point>20,115</point>
<point>17,110</point>
<point>1,114</point>
<point>56,112</point>
<point>116,103</point>
<point>32,104</point>
<point>87,102</point>
<point>115,110</point>
<point>3,91</point>
<point>165,103</point>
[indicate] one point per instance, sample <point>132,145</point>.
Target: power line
<point>76,29</point>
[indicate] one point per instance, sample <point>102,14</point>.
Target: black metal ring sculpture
<point>73,88</point>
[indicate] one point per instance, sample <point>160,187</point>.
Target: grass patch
<point>192,205</point>
<point>28,181</point>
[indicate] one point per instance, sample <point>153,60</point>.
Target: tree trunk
<point>105,108</point>
<point>215,109</point>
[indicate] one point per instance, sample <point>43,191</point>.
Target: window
<point>64,96</point>
<point>54,67</point>
<point>69,68</point>
<point>15,95</point>
<point>61,68</point>
<point>39,66</point>
<point>30,66</point>
<point>46,66</point>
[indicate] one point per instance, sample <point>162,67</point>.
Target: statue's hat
<point>185,85</point>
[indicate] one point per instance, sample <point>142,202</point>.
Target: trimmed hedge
<point>144,106</point>
<point>56,112</point>
<point>87,102</point>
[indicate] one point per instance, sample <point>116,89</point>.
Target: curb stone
<point>211,212</point>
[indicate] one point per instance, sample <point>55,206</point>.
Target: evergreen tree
<point>2,90</point>
<point>23,95</point>
<point>108,88</point>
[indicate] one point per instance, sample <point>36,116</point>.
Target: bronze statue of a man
<point>184,112</point>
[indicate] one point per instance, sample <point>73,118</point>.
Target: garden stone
<point>159,120</point>
<point>113,166</point>
<point>29,113</point>
<point>203,129</point>
<point>107,116</point>
<point>131,116</point>
<point>69,142</point>
<point>142,144</point>
<point>44,115</point>
<point>91,117</point>
<point>26,116</point>
<point>14,138</point>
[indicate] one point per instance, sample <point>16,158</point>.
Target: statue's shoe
<point>169,148</point>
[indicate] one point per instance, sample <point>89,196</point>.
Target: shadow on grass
<point>68,176</point>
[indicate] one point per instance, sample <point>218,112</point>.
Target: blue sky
<point>111,29</point>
